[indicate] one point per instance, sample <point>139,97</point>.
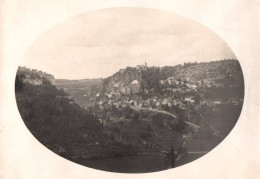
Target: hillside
<point>62,125</point>
<point>211,70</point>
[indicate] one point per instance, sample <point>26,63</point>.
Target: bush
<point>145,136</point>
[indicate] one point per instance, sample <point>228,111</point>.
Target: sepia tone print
<point>129,90</point>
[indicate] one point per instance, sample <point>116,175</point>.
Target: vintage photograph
<point>129,90</point>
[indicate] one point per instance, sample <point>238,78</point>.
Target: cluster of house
<point>34,76</point>
<point>186,85</point>
<point>119,101</point>
<point>133,88</point>
<point>137,102</point>
<point>157,102</point>
<point>176,84</point>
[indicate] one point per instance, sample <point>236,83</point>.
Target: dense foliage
<point>53,118</point>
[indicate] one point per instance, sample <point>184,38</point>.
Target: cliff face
<point>35,77</point>
<point>151,77</point>
<point>122,79</point>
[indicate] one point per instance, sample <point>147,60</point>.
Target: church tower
<point>145,66</point>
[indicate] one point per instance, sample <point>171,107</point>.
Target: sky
<point>97,44</point>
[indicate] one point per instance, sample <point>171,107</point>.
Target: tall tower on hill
<point>142,67</point>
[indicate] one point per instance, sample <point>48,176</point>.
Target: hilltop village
<point>209,84</point>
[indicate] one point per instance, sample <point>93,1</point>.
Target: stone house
<point>189,99</point>
<point>177,82</point>
<point>135,87</point>
<point>216,102</point>
<point>170,80</point>
<point>163,82</point>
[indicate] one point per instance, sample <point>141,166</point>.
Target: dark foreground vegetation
<point>62,126</point>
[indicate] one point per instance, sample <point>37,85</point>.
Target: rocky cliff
<point>121,79</point>
<point>150,77</point>
<point>34,76</point>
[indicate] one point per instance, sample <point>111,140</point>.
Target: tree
<point>19,82</point>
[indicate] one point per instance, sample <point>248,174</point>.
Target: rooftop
<point>135,82</point>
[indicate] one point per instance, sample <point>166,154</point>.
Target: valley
<point>171,114</point>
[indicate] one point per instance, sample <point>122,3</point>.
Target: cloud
<point>99,43</point>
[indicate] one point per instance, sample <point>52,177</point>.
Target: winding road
<point>167,113</point>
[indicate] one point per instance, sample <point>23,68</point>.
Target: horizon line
<point>98,78</point>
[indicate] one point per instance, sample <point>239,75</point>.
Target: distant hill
<point>64,83</point>
<point>80,90</point>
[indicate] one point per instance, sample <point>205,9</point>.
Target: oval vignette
<point>129,90</point>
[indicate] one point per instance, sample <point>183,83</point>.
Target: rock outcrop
<point>35,77</point>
